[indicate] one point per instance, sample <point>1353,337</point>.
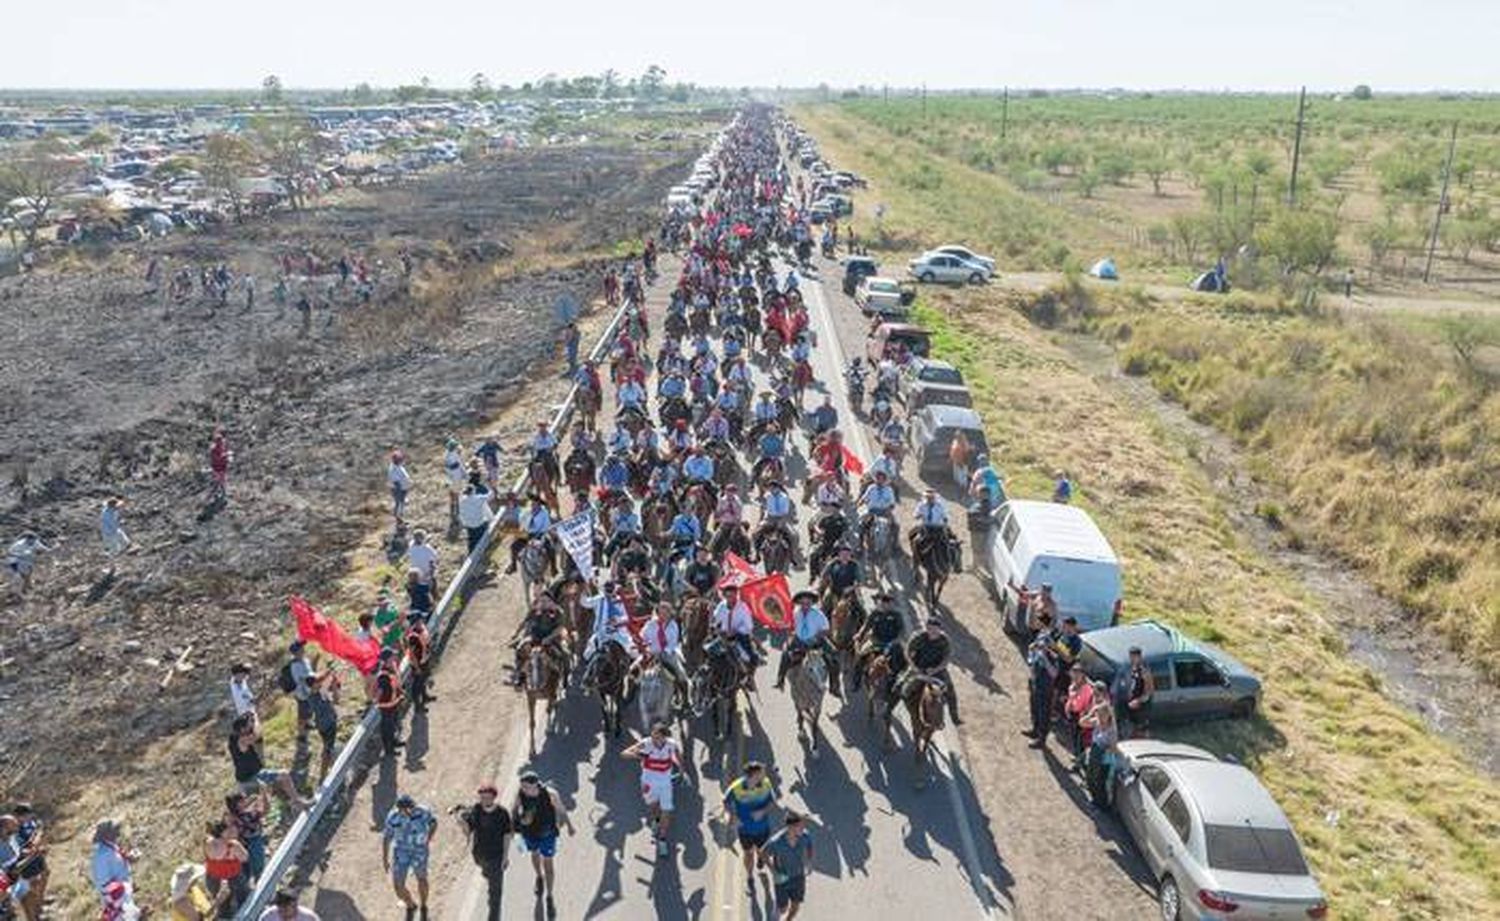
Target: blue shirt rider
<point>698,468</point>
<point>615,474</point>
<point>765,407</point>
<point>672,386</point>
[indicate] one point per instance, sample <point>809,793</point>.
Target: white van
<point>1036,543</point>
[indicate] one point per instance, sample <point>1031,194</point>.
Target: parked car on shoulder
<point>897,340</point>
<point>928,381</point>
<point>1194,680</point>
<point>1046,543</point>
<point>856,268</point>
<point>966,254</point>
<point>933,430</point>
<point>838,205</point>
<point>940,267</point>
<point>1217,845</point>
<point>880,296</point>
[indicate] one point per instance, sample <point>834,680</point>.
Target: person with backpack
<point>418,643</point>
<point>388,700</point>
<point>295,679</point>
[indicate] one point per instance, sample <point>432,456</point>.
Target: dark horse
<point>934,555</point>
<point>610,673</point>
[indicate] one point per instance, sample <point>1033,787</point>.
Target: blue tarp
<point>1105,268</point>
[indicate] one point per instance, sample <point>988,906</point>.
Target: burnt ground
<point>111,390</point>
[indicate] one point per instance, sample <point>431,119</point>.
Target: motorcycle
<point>854,378</point>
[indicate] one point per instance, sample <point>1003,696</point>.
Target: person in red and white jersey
<point>660,758</point>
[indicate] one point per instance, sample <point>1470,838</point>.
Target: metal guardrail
<point>334,785</point>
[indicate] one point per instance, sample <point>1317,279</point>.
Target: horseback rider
<point>685,532</point>
<point>630,395</point>
<point>680,438</point>
<point>537,522</point>
<point>764,410</point>
<point>932,525</point>
<point>809,634</point>
<point>716,426</point>
<point>702,574</point>
<point>927,656</point>
<point>877,499</point>
<point>544,449</point>
<point>673,386</point>
<point>698,467</point>
<point>614,476</point>
<point>825,418</point>
<point>779,513</point>
<point>625,524</point>
<point>732,622</point>
<point>880,635</point>
<point>730,510</point>
<point>543,626</point>
<point>611,625</point>
<point>840,575</point>
<point>663,479</point>
<point>772,451</point>
<point>662,637</point>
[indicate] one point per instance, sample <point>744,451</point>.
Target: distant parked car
<point>933,430</point>
<point>879,296</point>
<point>1194,680</point>
<point>838,205</point>
<point>1215,841</point>
<point>966,254</point>
<point>856,268</point>
<point>1044,543</point>
<point>940,267</point>
<point>927,382</point>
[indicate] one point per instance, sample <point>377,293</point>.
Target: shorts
<point>545,845</point>
<point>756,839</point>
<point>404,862</point>
<point>270,778</point>
<point>793,890</point>
<point>656,787</point>
<point>304,710</point>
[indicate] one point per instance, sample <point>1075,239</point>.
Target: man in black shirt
<point>839,576</point>
<point>703,573</point>
<point>488,826</point>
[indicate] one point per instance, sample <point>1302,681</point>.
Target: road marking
<point>972,863</point>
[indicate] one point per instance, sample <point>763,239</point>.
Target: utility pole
<point>886,94</point>
<point>1437,220</point>
<point>1004,110</point>
<point>924,102</point>
<point>1291,197</point>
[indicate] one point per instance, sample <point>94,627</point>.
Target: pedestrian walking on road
<point>219,457</point>
<point>661,760</point>
<point>790,853</point>
<point>112,528</point>
<point>489,827</point>
<point>747,808</point>
<point>537,815</point>
<point>570,339</point>
<point>409,828</point>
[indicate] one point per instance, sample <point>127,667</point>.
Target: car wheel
<point>976,278</point>
<point>1169,899</point>
<point>1244,708</point>
<point>927,277</point>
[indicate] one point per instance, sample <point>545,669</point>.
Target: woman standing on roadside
<point>224,860</point>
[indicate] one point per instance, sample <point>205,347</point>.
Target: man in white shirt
<point>453,469</point>
<point>474,514</point>
<point>662,636</point>
<point>809,634</point>
<point>241,694</point>
<point>877,499</point>
<point>400,481</point>
<point>732,621</point>
<point>611,625</point>
<point>423,558</point>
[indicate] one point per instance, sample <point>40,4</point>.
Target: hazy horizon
<point>1156,45</point>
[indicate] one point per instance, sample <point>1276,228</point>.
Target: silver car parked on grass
<point>1215,842</point>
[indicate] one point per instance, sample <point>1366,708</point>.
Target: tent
<point>1105,269</point>
<point>1215,280</point>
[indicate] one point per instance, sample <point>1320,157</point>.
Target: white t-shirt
<point>737,621</point>
<point>424,559</point>
<point>242,696</point>
<point>399,477</point>
<point>474,510</point>
<point>661,636</point>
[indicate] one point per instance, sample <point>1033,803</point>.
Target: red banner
<point>770,600</point>
<point>738,571</point>
<point>315,627</point>
<point>852,464</point>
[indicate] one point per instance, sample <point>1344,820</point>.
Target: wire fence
<point>336,783</point>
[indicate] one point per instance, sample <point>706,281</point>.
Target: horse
<point>656,520</point>
<point>802,378</point>
<point>538,565</point>
<point>726,467</point>
<point>611,672</point>
<point>543,483</point>
<point>773,549</point>
<point>715,686</point>
<point>587,404</point>
<point>696,499</point>
<point>880,543</point>
<point>730,536</point>
<point>847,618</point>
<point>695,614</point>
<point>543,678</point>
<point>925,710</point>
<point>934,562</point>
<point>578,473</point>
<point>654,695</point>
<point>675,324</point>
<point>809,681</point>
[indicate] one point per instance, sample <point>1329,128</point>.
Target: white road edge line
<point>956,756</point>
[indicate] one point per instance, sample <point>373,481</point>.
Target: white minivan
<point>1046,543</point>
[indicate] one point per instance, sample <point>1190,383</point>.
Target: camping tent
<point>1105,269</point>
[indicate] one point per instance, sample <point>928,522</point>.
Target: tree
<point>479,88</point>
<point>270,90</point>
<point>408,92</point>
<point>1330,163</point>
<point>172,168</point>
<point>1362,92</point>
<point>363,94</point>
<point>227,158</point>
<point>98,139</point>
<point>652,81</point>
<point>1156,168</point>
<point>289,147</point>
<point>1088,182</point>
<point>609,84</point>
<point>36,174</point>
<point>1300,240</point>
<point>1187,231</point>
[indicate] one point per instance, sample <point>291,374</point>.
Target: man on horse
<point>772,451</point>
<point>809,634</point>
<point>877,499</point>
<point>825,418</point>
<point>932,530</point>
<point>698,467</point>
<point>779,513</point>
<point>625,524</point>
<point>544,450</point>
<point>536,524</point>
<point>839,576</point>
<point>702,574</point>
<point>662,637</point>
<point>732,622</point>
<point>927,656</point>
<point>716,427</point>
<point>544,627</point>
<point>611,628</point>
<point>881,635</point>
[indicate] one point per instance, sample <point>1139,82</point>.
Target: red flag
<point>769,599</point>
<point>852,464</point>
<point>315,627</point>
<point>738,570</point>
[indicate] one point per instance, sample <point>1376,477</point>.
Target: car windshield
<point>950,376</point>
<point>1246,849</point>
<point>885,287</point>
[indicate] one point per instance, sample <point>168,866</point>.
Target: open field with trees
<point>1371,423</point>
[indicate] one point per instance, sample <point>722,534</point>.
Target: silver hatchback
<point>1216,843</point>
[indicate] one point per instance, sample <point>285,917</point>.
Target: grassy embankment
<point>1396,823</point>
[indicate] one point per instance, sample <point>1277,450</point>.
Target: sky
<point>1138,44</point>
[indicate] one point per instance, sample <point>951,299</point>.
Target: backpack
<point>284,679</point>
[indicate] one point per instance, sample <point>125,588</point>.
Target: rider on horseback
<point>731,622</point>
<point>881,635</point>
<point>698,468</point>
<point>662,637</point>
<point>614,476</point>
<point>779,513</point>
<point>630,395</point>
<point>611,626</point>
<point>544,450</point>
<point>716,426</point>
<point>877,499</point>
<point>809,633</point>
<point>680,438</point>
<point>537,522</point>
<point>932,525</point>
<point>730,510</point>
<point>764,410</point>
<point>625,524</point>
<point>927,657</point>
<point>772,450</point>
<point>825,418</point>
<point>543,626</point>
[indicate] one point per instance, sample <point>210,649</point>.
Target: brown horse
<point>698,502</point>
<point>844,624</point>
<point>924,707</point>
<point>543,678</point>
<point>774,550</point>
<point>587,405</point>
<point>543,485</point>
<point>730,537</point>
<point>656,520</point>
<point>877,684</point>
<point>694,618</point>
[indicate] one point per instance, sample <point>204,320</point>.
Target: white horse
<point>809,682</point>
